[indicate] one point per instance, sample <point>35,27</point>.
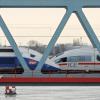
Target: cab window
<point>64,59</point>
<point>98,57</point>
<point>32,55</point>
<point>61,60</point>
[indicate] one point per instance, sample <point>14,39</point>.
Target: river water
<point>54,93</point>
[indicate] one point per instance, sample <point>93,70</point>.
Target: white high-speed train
<point>79,61</point>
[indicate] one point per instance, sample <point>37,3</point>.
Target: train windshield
<point>61,60</point>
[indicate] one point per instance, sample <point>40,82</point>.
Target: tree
<point>32,43</point>
<point>76,42</point>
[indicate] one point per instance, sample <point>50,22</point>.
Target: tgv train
<point>83,60</point>
<point>9,63</point>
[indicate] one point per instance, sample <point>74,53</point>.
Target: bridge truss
<point>71,6</point>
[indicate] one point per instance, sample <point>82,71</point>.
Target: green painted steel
<point>49,3</point>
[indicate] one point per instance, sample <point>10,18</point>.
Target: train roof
<point>22,49</point>
<point>26,52</point>
<point>78,51</point>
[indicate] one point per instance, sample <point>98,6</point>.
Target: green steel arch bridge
<point>71,6</point>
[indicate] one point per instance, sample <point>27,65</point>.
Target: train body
<point>80,62</point>
<point>10,65</point>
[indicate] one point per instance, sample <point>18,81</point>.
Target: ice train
<point>83,60</point>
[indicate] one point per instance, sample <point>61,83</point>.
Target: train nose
<point>49,69</point>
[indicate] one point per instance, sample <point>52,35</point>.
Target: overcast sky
<point>39,24</point>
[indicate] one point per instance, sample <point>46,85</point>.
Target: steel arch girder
<point>49,3</point>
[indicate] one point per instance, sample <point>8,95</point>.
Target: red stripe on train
<point>48,80</point>
<point>62,64</point>
<point>89,63</point>
<point>82,63</point>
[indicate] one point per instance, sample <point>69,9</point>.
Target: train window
<point>7,60</point>
<point>87,58</point>
<point>98,57</point>
<point>61,60</point>
<point>6,50</point>
<point>84,58</point>
<point>79,58</point>
<point>32,55</point>
<point>72,59</point>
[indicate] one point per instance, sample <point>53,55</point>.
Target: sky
<point>39,24</point>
